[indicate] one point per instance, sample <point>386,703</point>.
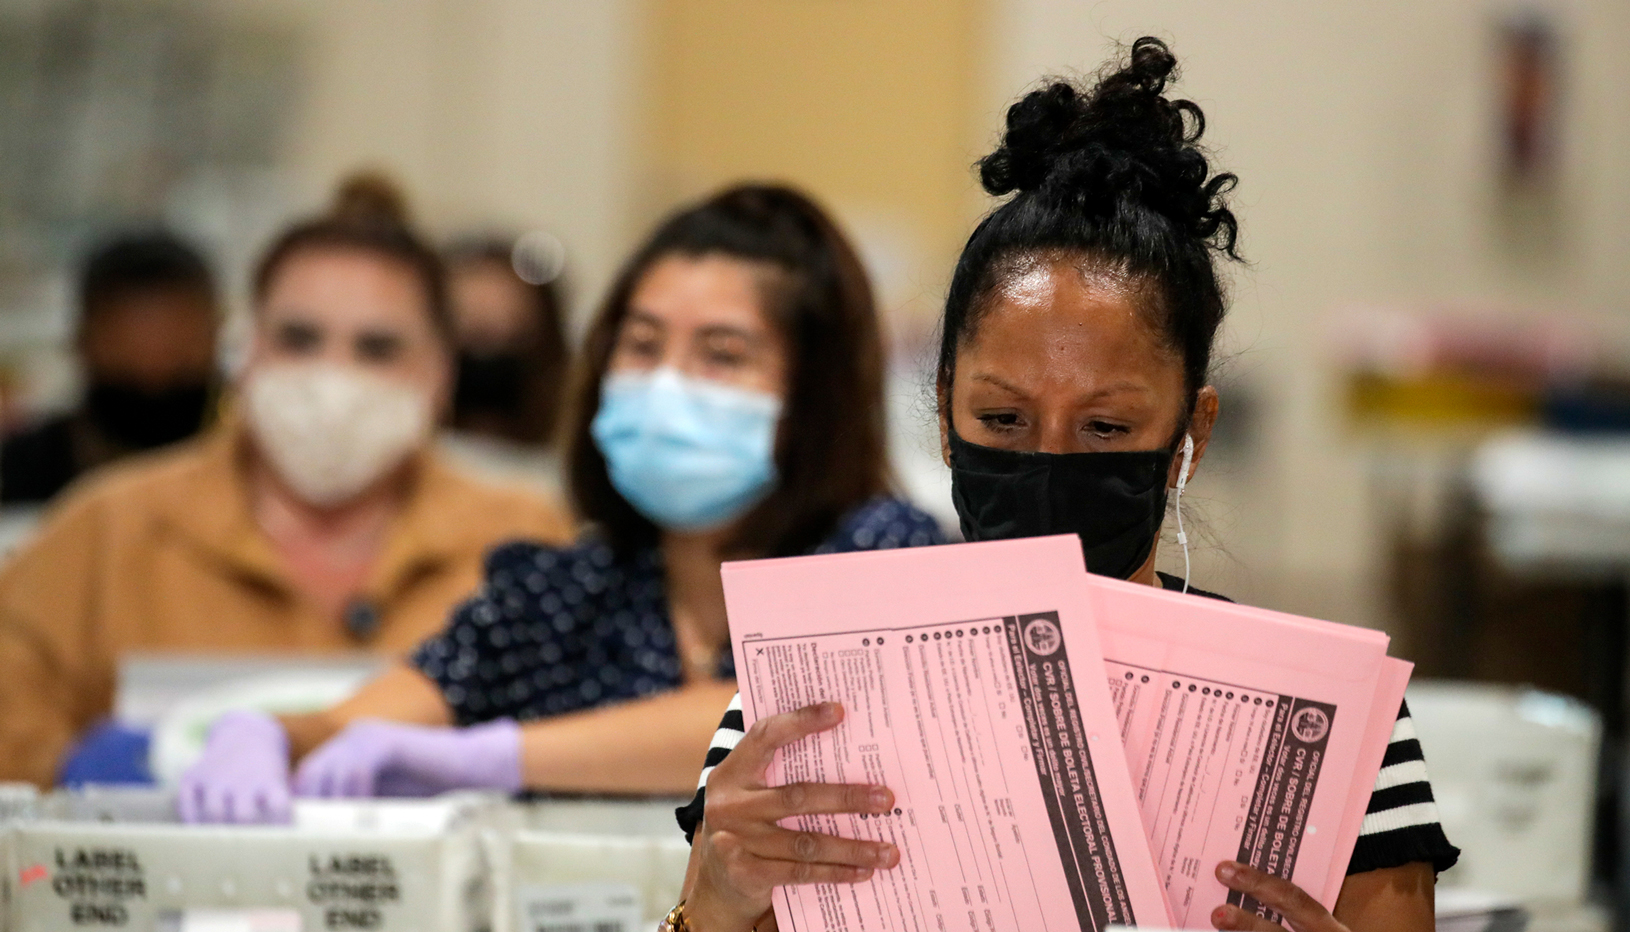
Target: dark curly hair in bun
<point>1112,176</point>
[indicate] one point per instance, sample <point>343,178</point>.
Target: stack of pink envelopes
<point>1068,752</point>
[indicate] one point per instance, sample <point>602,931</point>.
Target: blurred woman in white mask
<point>316,518</point>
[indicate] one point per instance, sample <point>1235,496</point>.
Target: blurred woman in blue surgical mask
<point>730,406</point>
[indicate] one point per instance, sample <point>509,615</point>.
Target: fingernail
<point>881,798</point>
<point>1227,872</point>
<point>888,856</point>
<point>863,873</point>
<point>1219,916</point>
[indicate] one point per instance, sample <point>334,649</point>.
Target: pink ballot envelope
<point>1389,700</point>
<point>1251,735</point>
<point>972,679</point>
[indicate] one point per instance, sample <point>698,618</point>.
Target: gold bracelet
<point>675,921</point>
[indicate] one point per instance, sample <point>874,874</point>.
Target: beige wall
<point>1363,136</point>
<point>869,105</point>
<point>507,113</point>
<point>593,119</point>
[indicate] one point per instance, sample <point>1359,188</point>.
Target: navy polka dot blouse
<point>555,630</point>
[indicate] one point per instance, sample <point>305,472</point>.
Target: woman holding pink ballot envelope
<point>1073,395</point>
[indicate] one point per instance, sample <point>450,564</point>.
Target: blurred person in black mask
<point>146,345</point>
<point>512,355</point>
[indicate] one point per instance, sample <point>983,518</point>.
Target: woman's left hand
<point>379,758</point>
<point>1301,912</point>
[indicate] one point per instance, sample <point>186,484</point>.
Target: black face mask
<point>1114,502</point>
<point>492,383</point>
<point>142,419</point>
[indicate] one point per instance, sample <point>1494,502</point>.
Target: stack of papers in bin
<point>1066,751</point>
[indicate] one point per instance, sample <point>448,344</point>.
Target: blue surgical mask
<point>687,453</point>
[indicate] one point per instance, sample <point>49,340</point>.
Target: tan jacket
<point>161,553</point>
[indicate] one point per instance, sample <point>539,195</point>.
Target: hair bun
<point>370,198</point>
<point>1120,141</point>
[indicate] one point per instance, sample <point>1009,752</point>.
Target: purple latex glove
<point>243,775</point>
<point>378,758</point>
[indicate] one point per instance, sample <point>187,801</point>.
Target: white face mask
<point>332,430</point>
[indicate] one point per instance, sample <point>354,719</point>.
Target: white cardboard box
<point>594,864</point>
<point>384,867</point>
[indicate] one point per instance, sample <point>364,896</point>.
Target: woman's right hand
<point>741,854</point>
<point>243,774</point>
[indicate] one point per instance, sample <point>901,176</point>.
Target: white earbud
<point>1177,503</point>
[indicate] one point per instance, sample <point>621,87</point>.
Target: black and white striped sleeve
<point>731,730</point>
<point>1401,824</point>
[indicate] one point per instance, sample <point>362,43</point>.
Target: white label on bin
<point>578,907</point>
<point>229,920</point>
